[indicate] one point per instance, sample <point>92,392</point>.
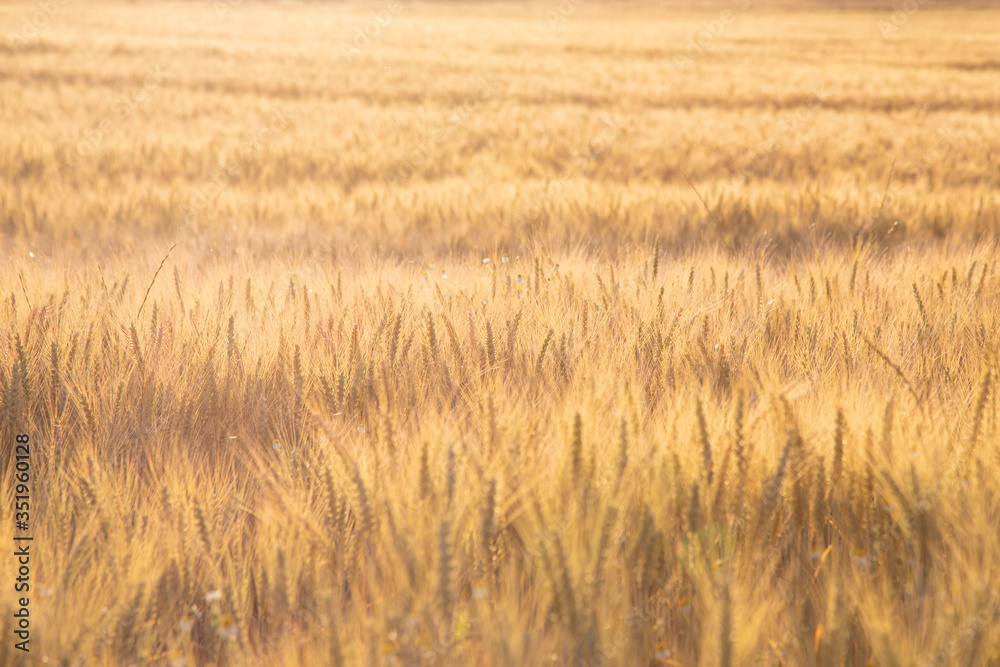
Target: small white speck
<point>361,429</point>
<point>486,260</point>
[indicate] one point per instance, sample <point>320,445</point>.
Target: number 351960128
<point>22,476</point>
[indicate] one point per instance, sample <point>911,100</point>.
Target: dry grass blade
<point>153,281</point>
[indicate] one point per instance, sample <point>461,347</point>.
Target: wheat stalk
<point>541,353</point>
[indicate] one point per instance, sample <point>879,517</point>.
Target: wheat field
<point>550,333</point>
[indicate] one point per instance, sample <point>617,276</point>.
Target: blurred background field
<point>503,334</point>
<point>788,122</point>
